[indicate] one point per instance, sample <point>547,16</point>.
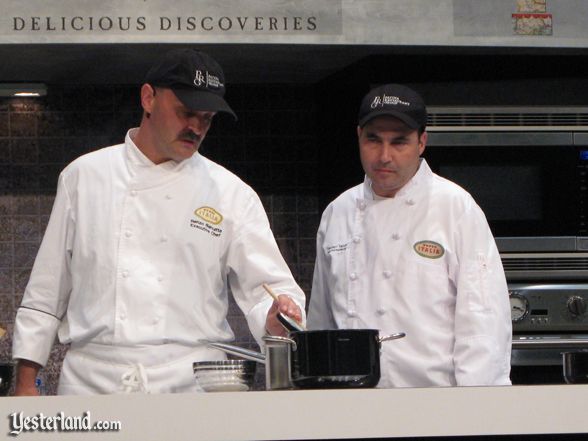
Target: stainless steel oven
<point>548,286</point>
<point>528,170</point>
<point>548,319</point>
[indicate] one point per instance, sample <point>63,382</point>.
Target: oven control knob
<point>576,305</point>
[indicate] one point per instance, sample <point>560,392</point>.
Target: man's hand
<point>286,306</point>
<point>26,374</point>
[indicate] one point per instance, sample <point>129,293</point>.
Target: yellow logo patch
<point>429,249</point>
<point>209,214</point>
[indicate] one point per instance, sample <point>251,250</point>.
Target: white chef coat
<point>425,263</point>
<point>139,256</point>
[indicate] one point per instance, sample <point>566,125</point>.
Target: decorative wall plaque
<point>532,18</point>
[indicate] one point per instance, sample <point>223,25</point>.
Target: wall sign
<point>508,23</point>
<point>154,20</point>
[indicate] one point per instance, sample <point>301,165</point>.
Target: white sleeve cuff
<point>34,335</point>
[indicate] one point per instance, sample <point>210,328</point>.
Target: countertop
<point>314,414</point>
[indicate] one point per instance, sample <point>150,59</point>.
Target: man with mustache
<point>144,242</point>
<point>410,251</point>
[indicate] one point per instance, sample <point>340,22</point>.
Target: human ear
<point>422,142</point>
<point>147,96</point>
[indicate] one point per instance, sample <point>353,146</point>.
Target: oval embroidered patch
<point>429,249</point>
<point>209,214</point>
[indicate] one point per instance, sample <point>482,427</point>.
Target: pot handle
<point>238,351</point>
<point>278,339</point>
<point>391,337</point>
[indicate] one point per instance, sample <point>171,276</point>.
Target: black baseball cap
<point>395,100</point>
<point>195,78</point>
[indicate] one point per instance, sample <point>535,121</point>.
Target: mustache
<point>189,135</point>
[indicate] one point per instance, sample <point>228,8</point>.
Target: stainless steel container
<point>277,363</point>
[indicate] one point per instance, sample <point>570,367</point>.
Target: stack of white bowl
<point>225,375</point>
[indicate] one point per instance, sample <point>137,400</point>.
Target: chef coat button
<point>168,196</point>
<point>160,278</point>
<point>387,274</point>
<point>122,316</point>
<point>410,202</point>
<point>125,274</point>
<point>380,311</point>
<point>128,233</point>
<point>351,313</point>
<point>396,236</point>
<point>362,205</point>
<point>156,320</point>
<point>133,192</point>
<point>163,238</point>
<point>356,239</point>
<point>353,276</point>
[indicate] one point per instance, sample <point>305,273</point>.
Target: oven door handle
<point>560,343</point>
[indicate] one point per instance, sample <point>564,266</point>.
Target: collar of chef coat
<point>410,189</point>
<point>144,173</point>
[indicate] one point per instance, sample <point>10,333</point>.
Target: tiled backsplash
<point>273,147</point>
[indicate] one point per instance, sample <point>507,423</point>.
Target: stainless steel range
<point>548,286</point>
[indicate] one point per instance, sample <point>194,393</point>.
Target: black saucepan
<point>334,358</point>
<point>347,358</point>
<point>575,366</point>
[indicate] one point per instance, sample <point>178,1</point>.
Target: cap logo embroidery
<point>429,249</point>
<point>207,80</point>
<point>381,101</point>
<point>209,214</point>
